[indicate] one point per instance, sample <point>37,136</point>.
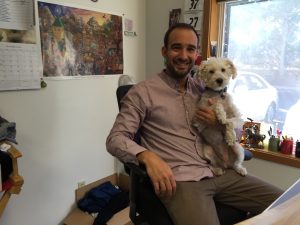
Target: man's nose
<point>183,54</point>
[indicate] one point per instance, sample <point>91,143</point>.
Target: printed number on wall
<point>194,19</point>
<point>193,5</point>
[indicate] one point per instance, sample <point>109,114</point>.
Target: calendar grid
<point>19,67</point>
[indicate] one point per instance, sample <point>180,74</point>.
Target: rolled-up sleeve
<point>120,141</point>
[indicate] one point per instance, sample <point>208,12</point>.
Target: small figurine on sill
<point>252,136</point>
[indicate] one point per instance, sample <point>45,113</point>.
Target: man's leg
<point>247,193</point>
<point>193,203</point>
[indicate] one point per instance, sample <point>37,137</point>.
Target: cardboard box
<point>78,217</point>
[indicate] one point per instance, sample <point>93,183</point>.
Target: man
<point>162,108</point>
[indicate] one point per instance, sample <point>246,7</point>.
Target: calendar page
<point>194,13</point>
<point>20,66</point>
<point>191,5</point>
<point>194,19</point>
<point>17,15</point>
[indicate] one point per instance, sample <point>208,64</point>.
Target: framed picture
<point>174,18</point>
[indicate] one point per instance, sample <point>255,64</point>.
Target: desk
<point>284,211</point>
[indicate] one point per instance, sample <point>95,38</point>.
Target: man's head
<point>180,49</point>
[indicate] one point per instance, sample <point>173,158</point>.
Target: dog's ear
<point>202,71</point>
<point>232,68</point>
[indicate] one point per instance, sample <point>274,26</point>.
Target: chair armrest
<point>138,175</point>
<point>138,170</point>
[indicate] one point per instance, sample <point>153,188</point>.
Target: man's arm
<point>120,144</point>
<point>120,141</point>
<point>159,172</point>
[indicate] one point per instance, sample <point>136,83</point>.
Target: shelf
<point>276,157</point>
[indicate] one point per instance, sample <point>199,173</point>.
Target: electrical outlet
<point>80,184</point>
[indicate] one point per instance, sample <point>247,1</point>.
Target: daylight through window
<point>262,38</point>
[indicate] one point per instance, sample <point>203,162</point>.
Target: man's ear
<point>164,51</point>
<point>197,54</point>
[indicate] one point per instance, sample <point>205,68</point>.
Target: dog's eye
<point>211,71</point>
<point>223,70</point>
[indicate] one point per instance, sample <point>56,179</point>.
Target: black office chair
<point>144,202</point>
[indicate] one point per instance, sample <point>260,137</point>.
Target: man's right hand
<point>159,172</point>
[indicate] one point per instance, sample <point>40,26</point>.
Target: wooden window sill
<point>276,157</point>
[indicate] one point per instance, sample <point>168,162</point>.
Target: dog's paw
<point>241,170</point>
<point>221,114</point>
<point>217,171</point>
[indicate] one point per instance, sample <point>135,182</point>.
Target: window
<point>262,38</point>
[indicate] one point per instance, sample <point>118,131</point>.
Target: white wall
<point>157,23</point>
<point>61,130</point>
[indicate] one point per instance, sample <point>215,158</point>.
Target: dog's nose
<point>219,81</point>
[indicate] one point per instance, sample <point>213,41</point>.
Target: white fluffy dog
<point>220,148</point>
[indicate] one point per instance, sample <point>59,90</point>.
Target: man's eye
<point>176,48</point>
<point>191,49</point>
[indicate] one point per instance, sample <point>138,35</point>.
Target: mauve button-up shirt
<point>163,116</point>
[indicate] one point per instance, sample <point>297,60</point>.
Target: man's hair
<point>179,26</point>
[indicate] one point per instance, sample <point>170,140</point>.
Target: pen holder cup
<point>286,147</point>
<point>274,144</point>
<point>297,151</point>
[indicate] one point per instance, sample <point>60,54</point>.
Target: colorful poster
<point>78,42</point>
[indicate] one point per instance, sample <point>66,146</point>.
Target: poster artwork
<point>78,42</point>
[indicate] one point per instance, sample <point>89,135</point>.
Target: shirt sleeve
<point>120,141</point>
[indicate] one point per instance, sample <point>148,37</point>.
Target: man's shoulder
<point>141,87</point>
<point>153,80</point>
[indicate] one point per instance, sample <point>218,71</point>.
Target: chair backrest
<point>121,92</point>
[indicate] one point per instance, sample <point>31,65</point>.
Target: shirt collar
<point>172,82</point>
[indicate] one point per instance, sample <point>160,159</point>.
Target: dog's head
<point>216,73</point>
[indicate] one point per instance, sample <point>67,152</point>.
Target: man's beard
<point>178,74</point>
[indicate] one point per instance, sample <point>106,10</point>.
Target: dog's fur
<point>221,148</point>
